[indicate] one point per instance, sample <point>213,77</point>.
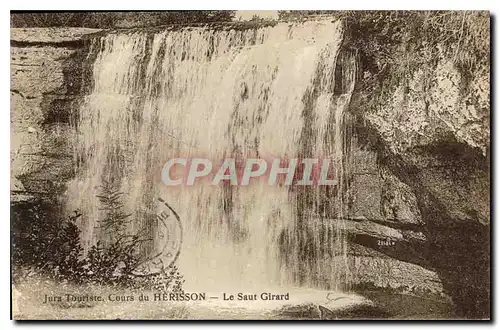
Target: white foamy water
<point>201,92</point>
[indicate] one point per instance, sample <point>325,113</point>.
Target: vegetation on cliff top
<point>105,20</point>
<point>393,39</point>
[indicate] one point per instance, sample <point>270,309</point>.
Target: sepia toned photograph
<point>250,165</point>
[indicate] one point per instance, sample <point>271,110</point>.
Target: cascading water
<point>222,93</point>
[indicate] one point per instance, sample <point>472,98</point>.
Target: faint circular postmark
<point>167,240</point>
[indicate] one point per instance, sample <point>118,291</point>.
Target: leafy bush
<point>45,245</point>
<point>167,280</point>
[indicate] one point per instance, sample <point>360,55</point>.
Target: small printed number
<point>386,242</point>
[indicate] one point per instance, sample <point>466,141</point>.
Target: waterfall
<point>222,93</point>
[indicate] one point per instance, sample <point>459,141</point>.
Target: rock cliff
<point>46,81</point>
<point>422,116</point>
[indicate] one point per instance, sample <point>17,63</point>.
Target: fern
<point>116,220</point>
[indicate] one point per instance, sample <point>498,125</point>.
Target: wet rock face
<point>46,81</point>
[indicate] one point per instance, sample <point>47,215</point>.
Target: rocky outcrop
<point>46,81</point>
<point>427,134</point>
<point>423,226</point>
